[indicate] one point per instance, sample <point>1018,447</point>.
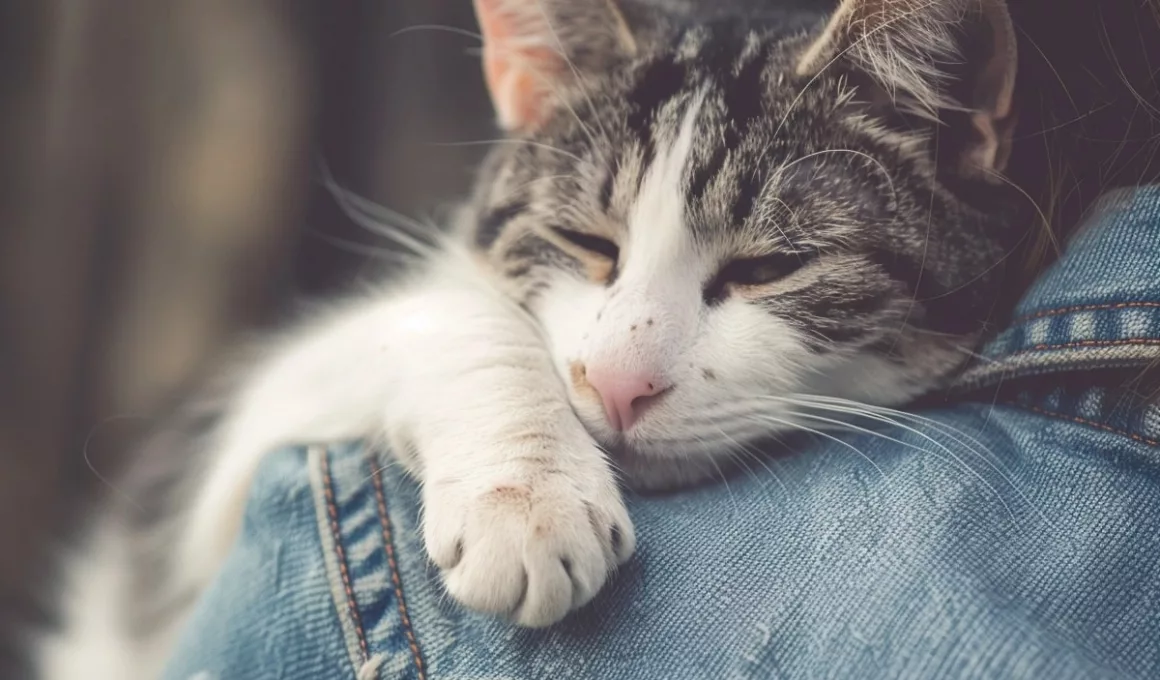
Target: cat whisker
<point>789,424</point>
<point>975,355</point>
<point>93,468</point>
<point>382,221</point>
<point>368,207</point>
<point>1034,204</point>
<point>544,178</point>
<point>613,463</point>
<point>426,233</point>
<point>706,445</point>
<point>930,422</point>
<point>952,457</point>
<point>579,84</point>
<point>741,451</point>
<point>921,272</point>
<point>516,55</point>
<point>509,140</point>
<point>436,28</point>
<point>893,417</point>
<point>372,252</point>
<point>388,463</point>
<point>740,456</point>
<point>777,225</point>
<point>941,451</point>
<point>724,480</point>
<point>999,262</point>
<point>367,214</point>
<point>861,154</point>
<point>1059,126</point>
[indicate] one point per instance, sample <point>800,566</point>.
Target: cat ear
<point>933,57</point>
<point>535,49</point>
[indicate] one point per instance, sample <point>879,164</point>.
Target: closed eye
<point>756,271</point>
<point>593,244</point>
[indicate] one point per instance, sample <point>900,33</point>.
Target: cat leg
<point>522,511</point>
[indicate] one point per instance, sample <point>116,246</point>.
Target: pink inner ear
<point>519,83</point>
<point>518,63</point>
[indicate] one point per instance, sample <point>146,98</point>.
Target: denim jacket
<point>1011,533</point>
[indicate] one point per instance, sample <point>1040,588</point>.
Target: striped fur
<point>886,255</point>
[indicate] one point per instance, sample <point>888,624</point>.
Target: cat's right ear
<point>932,58</point>
<point>535,50</point>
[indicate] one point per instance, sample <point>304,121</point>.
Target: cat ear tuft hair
<point>534,50</point>
<point>932,57</point>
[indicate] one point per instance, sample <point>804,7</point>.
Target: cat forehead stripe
<point>657,229</point>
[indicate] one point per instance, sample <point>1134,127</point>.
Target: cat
<point>700,222</point>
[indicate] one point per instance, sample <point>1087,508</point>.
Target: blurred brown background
<point>160,194</point>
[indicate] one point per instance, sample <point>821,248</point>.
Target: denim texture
<point>1014,533</point>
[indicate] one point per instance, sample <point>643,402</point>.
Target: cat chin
<point>646,464</point>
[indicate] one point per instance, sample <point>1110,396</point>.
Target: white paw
<point>529,545</point>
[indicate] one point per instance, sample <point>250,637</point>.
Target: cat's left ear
<point>534,51</point>
<point>933,57</point>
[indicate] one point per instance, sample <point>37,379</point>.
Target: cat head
<point>718,219</point>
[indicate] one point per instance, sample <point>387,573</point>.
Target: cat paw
<point>531,546</point>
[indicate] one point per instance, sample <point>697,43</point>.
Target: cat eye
<point>756,271</point>
<point>593,244</point>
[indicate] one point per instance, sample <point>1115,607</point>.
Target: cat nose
<point>625,395</point>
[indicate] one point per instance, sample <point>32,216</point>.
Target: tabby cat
<point>701,218</point>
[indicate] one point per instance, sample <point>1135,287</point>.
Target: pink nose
<point>625,395</point>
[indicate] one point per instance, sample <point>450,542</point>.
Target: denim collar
<point>1097,307</point>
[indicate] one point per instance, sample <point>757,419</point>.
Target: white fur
<point>93,645</point>
<point>657,299</point>
<point>96,642</point>
<point>445,367</point>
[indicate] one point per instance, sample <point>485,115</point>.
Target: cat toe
<point>528,552</point>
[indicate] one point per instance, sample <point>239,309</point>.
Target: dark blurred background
<point>160,195</point>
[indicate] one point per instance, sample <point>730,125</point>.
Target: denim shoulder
<point>1085,341</point>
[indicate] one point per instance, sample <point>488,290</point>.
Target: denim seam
<point>340,554</point>
<point>1084,308</point>
<point>1127,342</point>
<point>389,547</point>
<point>1091,423</point>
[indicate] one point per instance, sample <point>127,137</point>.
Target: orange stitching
<point>388,543</point>
<point>1085,308</point>
<point>332,512</point>
<point>1092,423</point>
<point>1095,343</point>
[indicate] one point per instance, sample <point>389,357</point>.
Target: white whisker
<point>372,252</point>
<point>380,220</point>
<point>436,28</point>
<point>895,440</point>
<point>744,452</point>
<point>580,84</point>
<point>892,416</point>
<point>761,417</point>
<point>507,140</point>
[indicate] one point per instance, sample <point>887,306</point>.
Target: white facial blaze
<point>652,310</point>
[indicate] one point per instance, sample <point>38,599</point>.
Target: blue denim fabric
<point>1011,535</point>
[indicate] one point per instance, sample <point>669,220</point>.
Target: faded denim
<point>1016,535</point>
